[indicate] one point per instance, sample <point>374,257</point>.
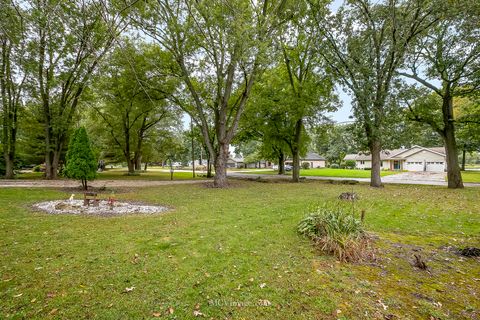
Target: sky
<point>345,109</point>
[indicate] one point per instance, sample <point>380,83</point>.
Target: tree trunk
<point>281,163</point>
<point>375,179</point>
<point>209,168</point>
<point>220,179</point>
<point>463,157</point>
<point>296,165</point>
<point>131,166</point>
<point>454,175</point>
<point>9,173</point>
<point>48,151</point>
<point>145,167</point>
<point>138,161</point>
<point>56,162</point>
<point>296,151</point>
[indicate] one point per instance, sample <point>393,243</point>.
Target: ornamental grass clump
<point>336,231</point>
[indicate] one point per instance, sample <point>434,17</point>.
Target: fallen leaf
<point>264,302</point>
<point>170,310</point>
<point>263,285</point>
<point>156,314</point>
<point>384,306</point>
<point>18,295</point>
<point>33,300</point>
<point>129,289</point>
<point>197,313</point>
<point>53,311</point>
<point>135,258</point>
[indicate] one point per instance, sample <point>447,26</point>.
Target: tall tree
<point>68,41</point>
<point>131,97</point>
<point>282,106</point>
<point>447,62</point>
<point>220,48</point>
<point>311,86</point>
<point>12,77</point>
<point>365,43</point>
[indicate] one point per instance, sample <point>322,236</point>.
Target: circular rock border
<point>102,208</point>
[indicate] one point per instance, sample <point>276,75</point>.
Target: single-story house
<point>416,158</point>
<point>314,160</point>
<point>239,163</point>
<point>235,162</point>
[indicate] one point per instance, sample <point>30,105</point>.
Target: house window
<point>381,163</point>
<point>362,162</point>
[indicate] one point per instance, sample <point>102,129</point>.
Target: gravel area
<point>102,209</point>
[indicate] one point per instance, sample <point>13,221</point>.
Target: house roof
<point>310,156</point>
<point>236,159</point>
<point>393,154</point>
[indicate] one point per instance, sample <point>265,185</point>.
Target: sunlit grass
<point>471,176</point>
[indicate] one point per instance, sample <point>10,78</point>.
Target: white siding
<point>362,164</point>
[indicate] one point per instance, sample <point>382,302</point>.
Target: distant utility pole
<point>193,147</point>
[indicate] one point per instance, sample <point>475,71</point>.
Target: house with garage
<point>313,159</point>
<point>416,158</point>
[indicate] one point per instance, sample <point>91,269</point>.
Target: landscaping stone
<point>103,208</point>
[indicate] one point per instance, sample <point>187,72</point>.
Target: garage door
<point>437,166</point>
<point>414,166</point>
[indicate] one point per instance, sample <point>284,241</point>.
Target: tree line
<point>263,71</point>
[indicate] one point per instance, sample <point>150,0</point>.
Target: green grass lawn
<point>153,173</point>
<point>329,172</point>
<point>471,176</point>
<point>234,254</point>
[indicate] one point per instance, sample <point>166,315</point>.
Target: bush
<point>350,164</point>
<point>38,168</point>
<point>337,232</point>
<point>305,165</point>
<point>334,166</point>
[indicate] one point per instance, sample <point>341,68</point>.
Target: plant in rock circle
<point>80,160</point>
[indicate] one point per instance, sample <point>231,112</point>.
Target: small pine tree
<point>80,161</point>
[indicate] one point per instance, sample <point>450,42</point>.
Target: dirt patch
<point>469,252</point>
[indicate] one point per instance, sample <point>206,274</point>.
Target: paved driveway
<point>424,178</point>
<point>416,177</point>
